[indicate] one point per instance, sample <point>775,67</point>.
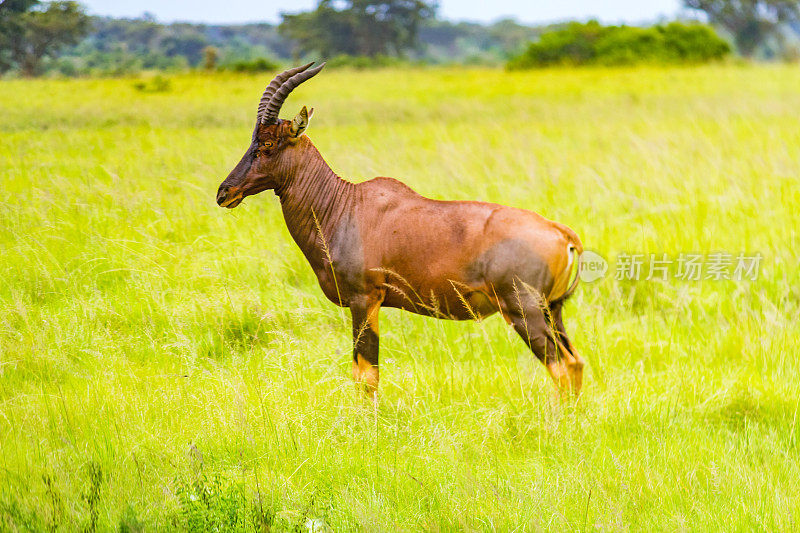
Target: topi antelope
<point>379,243</point>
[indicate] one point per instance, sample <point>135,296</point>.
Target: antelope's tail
<point>574,251</point>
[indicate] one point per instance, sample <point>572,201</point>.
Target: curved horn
<point>276,82</point>
<point>274,105</point>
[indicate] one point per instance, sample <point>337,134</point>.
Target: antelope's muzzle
<point>228,198</point>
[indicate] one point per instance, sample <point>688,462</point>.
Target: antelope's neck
<point>315,201</point>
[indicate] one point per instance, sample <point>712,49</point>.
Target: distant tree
<point>447,41</point>
<point>38,31</point>
<point>510,34</point>
<point>11,28</point>
<point>210,57</point>
<point>358,27</point>
<point>186,41</point>
<point>750,22</point>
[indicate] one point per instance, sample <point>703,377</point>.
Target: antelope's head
<point>275,145</point>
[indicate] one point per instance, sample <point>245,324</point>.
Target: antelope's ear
<point>300,121</point>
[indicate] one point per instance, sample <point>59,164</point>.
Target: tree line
<point>31,31</point>
<point>46,36</point>
<point>593,44</point>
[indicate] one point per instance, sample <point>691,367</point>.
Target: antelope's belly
<point>448,302</point>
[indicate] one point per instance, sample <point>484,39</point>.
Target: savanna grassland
<point>167,364</point>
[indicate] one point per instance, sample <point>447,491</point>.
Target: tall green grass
<point>166,364</point>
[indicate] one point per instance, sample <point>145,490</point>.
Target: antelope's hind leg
<point>526,312</point>
<point>365,310</point>
<point>576,363</point>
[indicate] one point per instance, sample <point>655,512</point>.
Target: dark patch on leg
<point>576,363</point>
<point>532,320</point>
<point>532,327</point>
<point>366,343</point>
<point>511,263</point>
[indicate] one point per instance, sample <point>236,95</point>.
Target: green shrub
<point>590,43</point>
<point>260,64</point>
<point>157,84</point>
<point>209,505</point>
<point>695,43</point>
<point>364,62</point>
<point>627,45</point>
<point>218,504</point>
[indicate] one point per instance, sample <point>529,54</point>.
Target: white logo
<point>593,266</point>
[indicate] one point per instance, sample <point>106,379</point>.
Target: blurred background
<point>167,365</point>
<point>105,37</point>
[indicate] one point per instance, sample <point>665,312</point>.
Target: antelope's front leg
<point>365,310</point>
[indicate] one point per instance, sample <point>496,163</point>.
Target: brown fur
<point>379,243</point>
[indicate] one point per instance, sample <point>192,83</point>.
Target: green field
<point>167,364</point>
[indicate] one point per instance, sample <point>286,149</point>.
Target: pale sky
<point>531,11</point>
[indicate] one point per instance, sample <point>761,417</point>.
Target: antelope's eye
<point>267,144</point>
